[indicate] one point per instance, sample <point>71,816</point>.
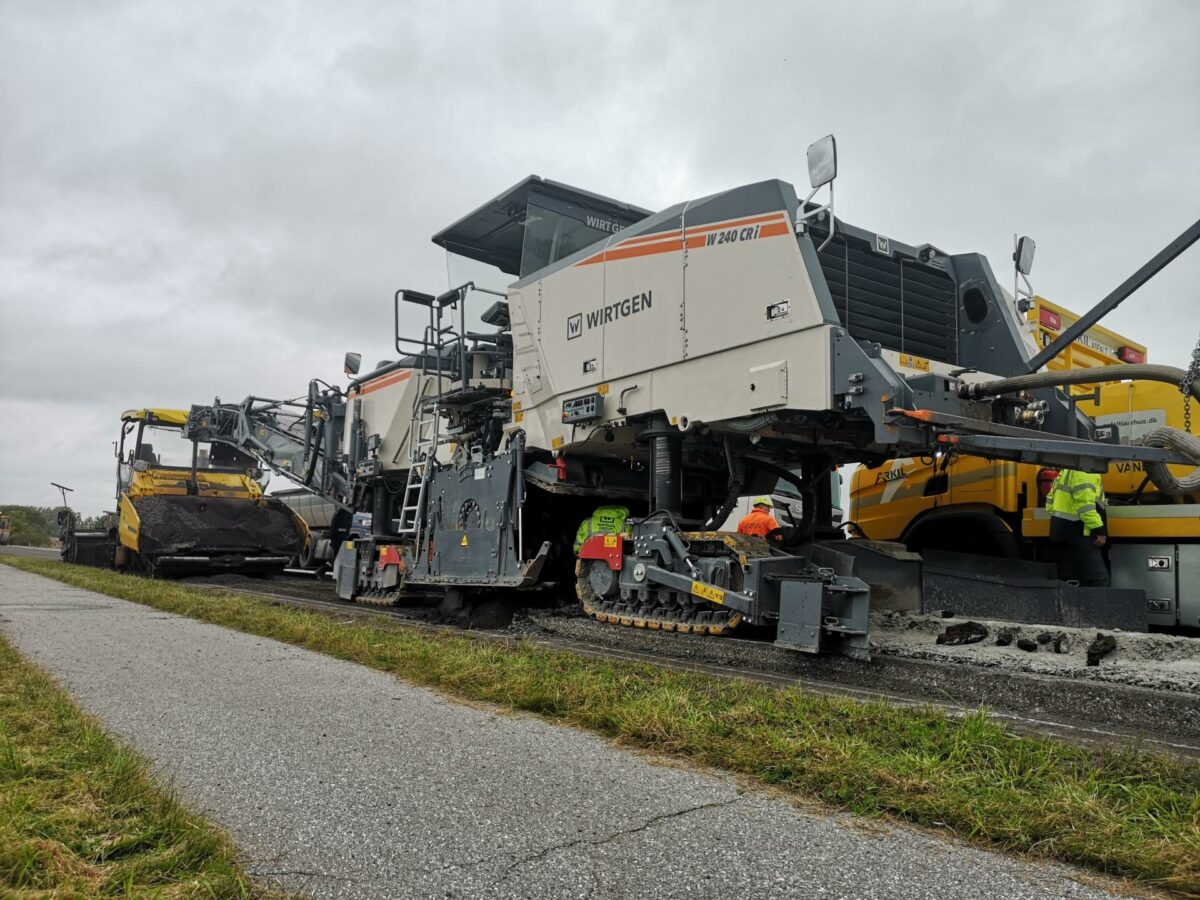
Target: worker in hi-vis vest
<point>1077,506</point>
<point>760,522</point>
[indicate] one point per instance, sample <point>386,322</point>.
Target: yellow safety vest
<point>605,520</point>
<point>1078,497</point>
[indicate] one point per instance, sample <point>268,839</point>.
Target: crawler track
<point>684,615</point>
<point>847,679</point>
<point>667,611</point>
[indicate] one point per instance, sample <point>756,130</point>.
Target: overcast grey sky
<point>202,199</point>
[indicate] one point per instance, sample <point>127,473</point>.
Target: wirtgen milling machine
<point>670,363</point>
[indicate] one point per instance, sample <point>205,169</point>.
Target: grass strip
<point>1127,813</point>
<point>80,815</point>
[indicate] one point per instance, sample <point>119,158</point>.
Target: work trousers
<point>1079,559</point>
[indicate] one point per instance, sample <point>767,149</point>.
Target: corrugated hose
<point>1170,438</point>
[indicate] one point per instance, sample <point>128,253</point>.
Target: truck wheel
<point>306,558</point>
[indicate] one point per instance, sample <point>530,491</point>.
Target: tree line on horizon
<point>37,526</point>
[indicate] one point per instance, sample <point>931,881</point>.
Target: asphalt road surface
<point>40,552</point>
<point>339,781</point>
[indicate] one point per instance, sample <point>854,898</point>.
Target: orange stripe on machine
<point>737,223</point>
<point>716,234</point>
<point>379,383</point>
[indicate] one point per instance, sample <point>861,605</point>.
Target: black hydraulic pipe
<point>462,343</point>
<point>331,473</point>
<point>666,465</point>
<point>681,551</point>
<point>733,490</point>
<point>668,483</point>
<point>381,519</point>
<point>1142,372</point>
<point>1113,300</point>
<point>316,442</point>
<point>193,484</point>
<point>519,493</point>
<point>308,421</point>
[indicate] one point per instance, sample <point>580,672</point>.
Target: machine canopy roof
<point>495,233</point>
<point>156,416</point>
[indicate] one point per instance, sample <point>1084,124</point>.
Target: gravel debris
<point>1137,696</point>
<point>1160,661</point>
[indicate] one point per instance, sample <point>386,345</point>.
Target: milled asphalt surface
<point>339,781</point>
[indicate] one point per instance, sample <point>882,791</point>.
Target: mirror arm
<point>1023,303</point>
<point>804,202</point>
<point>803,217</point>
<point>832,220</point>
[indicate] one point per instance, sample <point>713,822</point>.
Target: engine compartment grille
<point>897,301</point>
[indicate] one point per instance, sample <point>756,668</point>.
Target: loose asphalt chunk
<point>339,781</point>
<point>1101,645</point>
<point>963,633</point>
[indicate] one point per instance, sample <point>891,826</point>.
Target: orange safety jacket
<point>759,523</point>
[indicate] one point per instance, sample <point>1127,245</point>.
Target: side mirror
<point>822,161</point>
<point>1024,255</point>
<point>353,362</point>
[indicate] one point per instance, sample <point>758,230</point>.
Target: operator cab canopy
<point>534,223</point>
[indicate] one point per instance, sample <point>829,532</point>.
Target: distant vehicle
<point>185,506</point>
<point>5,530</point>
<point>318,514</point>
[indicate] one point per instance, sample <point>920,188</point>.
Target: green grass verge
<point>1121,812</point>
<point>80,815</point>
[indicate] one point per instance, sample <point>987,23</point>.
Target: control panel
<point>587,408</point>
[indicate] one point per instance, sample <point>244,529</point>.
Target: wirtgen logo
<point>610,312</point>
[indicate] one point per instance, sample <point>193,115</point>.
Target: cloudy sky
<point>202,199</point>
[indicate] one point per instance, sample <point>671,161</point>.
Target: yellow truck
<point>185,506</point>
<point>966,504</point>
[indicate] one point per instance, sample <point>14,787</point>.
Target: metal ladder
<point>421,453</point>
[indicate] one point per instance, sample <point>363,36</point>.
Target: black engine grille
<point>897,302</point>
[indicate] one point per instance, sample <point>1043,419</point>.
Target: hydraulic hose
<point>315,448</point>
<point>1143,372</point>
<point>1183,443</point>
<point>1171,438</point>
